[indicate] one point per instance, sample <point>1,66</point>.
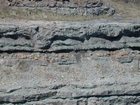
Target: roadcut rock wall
<point>66,7</point>
<point>70,63</point>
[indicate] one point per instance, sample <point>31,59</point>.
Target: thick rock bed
<point>66,7</point>
<point>70,63</point>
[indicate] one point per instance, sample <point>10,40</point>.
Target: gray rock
<point>114,100</point>
<point>69,8</point>
<point>125,59</point>
<point>69,37</point>
<point>111,11</point>
<point>70,63</point>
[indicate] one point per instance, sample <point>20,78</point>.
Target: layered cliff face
<point>66,7</point>
<point>69,36</point>
<point>70,63</point>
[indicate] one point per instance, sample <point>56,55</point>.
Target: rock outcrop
<point>70,63</point>
<point>69,36</point>
<point>67,7</point>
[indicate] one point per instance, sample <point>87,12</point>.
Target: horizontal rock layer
<point>70,63</point>
<point>66,36</point>
<point>70,78</point>
<point>87,8</point>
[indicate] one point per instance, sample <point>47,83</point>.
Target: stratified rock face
<point>70,63</point>
<point>68,7</point>
<point>66,36</point>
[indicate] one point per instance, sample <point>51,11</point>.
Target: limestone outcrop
<point>70,63</point>
<point>67,7</point>
<point>69,36</point>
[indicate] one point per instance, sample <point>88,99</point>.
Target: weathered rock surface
<point>68,7</point>
<point>69,36</point>
<point>70,63</point>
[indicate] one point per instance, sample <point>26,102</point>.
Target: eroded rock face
<point>70,63</point>
<point>67,7</point>
<point>68,36</point>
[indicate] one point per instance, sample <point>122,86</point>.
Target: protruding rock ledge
<point>67,36</point>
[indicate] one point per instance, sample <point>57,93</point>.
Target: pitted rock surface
<point>67,7</point>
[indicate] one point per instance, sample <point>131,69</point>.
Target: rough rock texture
<point>69,36</point>
<point>70,63</point>
<point>68,7</point>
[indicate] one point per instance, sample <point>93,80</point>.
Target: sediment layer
<point>70,63</point>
